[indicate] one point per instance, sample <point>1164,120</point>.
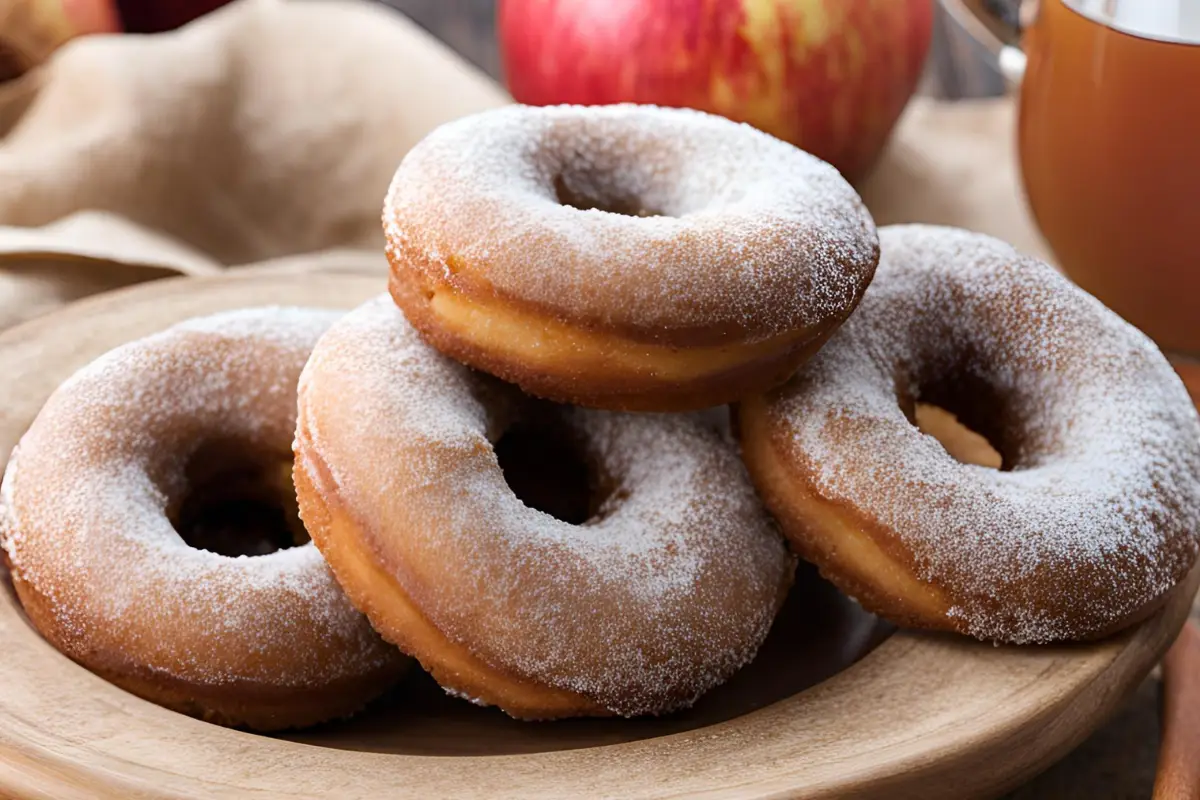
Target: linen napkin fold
<point>267,129</point>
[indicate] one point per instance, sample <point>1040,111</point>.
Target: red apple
<point>34,29</point>
<point>91,16</point>
<point>830,76</point>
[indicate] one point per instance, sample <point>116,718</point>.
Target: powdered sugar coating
<point>1097,511</point>
<point>659,598</point>
<point>755,238</point>
<point>85,500</point>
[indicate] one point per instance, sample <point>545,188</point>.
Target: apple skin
<point>830,76</point>
<point>34,29</point>
<point>91,16</point>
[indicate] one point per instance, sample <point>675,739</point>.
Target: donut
<point>624,257</point>
<point>1091,519</point>
<point>90,502</point>
<point>667,585</point>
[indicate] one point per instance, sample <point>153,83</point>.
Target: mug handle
<point>998,37</point>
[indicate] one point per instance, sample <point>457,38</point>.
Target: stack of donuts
<point>599,277</point>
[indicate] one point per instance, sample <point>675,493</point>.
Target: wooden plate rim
<point>915,712</point>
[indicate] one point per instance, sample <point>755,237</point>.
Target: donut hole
<point>961,442</point>
<point>586,195</point>
<point>547,469</point>
<point>977,405</point>
<point>238,501</point>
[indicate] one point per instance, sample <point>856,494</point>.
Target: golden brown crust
<point>637,243</point>
<point>1085,521</point>
<point>851,553</point>
<point>267,642</point>
<point>255,705</point>
<point>604,370</point>
<point>669,587</point>
<point>862,558</point>
<point>339,537</point>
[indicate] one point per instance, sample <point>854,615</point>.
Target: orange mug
<point>1109,143</point>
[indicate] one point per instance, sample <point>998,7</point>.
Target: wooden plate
<point>918,715</point>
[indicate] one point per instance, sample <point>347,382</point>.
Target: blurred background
<point>957,67</point>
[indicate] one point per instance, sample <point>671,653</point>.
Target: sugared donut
<point>1094,514</point>
<point>668,587</point>
<point>624,257</point>
<point>89,500</point>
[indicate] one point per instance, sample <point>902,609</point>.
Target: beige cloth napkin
<point>267,132</point>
